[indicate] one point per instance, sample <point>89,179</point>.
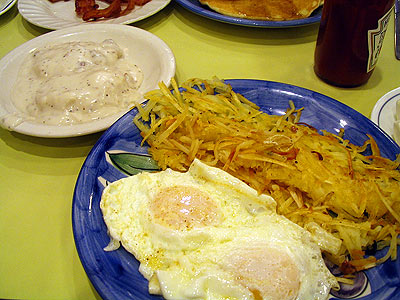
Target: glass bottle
<point>349,40</point>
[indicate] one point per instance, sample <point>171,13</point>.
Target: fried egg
<point>205,234</point>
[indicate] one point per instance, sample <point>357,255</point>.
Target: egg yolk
<point>266,272</point>
<point>183,208</point>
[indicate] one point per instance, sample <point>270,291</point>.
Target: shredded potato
<point>350,202</point>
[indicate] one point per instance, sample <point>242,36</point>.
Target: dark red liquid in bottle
<point>344,50</point>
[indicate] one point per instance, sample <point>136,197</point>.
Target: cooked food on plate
<point>346,196</point>
<point>76,82</point>
<point>204,234</point>
<point>274,10</point>
<point>90,9</point>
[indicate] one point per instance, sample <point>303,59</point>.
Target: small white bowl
<point>150,53</point>
<point>383,113</point>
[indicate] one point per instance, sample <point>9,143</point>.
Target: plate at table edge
<point>8,6</point>
<point>115,274</point>
<point>149,52</point>
<point>196,7</point>
<point>61,14</point>
<point>383,113</point>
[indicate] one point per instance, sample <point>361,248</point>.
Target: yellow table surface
<point>38,259</point>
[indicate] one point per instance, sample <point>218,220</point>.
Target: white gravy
<point>76,82</point>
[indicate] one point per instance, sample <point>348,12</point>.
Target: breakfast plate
<point>196,7</point>
<point>62,14</point>
<point>5,5</point>
<point>383,113</point>
<point>148,52</point>
<point>115,274</point>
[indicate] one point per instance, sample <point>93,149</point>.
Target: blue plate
<point>205,11</point>
<point>115,274</point>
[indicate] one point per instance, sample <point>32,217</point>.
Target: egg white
<point>200,234</point>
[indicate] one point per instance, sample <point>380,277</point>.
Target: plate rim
<point>210,14</point>
<point>94,151</point>
<point>377,110</point>
<point>8,6</point>
<point>54,131</point>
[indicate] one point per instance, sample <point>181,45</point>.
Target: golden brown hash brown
<point>320,181</point>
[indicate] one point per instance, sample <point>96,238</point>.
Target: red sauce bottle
<point>349,40</point>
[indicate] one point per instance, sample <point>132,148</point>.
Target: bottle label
<point>375,40</point>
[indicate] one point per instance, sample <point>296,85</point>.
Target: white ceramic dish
<point>5,5</point>
<point>62,14</point>
<point>383,113</point>
<point>149,52</point>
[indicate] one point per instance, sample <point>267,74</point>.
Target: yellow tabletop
<point>38,259</point>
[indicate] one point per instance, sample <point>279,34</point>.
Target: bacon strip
<point>84,6</point>
<point>129,7</point>
<point>113,10</point>
<point>89,10</point>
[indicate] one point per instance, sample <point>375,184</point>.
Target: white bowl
<point>383,113</point>
<point>149,52</point>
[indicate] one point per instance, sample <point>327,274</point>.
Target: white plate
<point>149,52</point>
<point>62,14</point>
<point>5,5</point>
<point>383,113</point>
